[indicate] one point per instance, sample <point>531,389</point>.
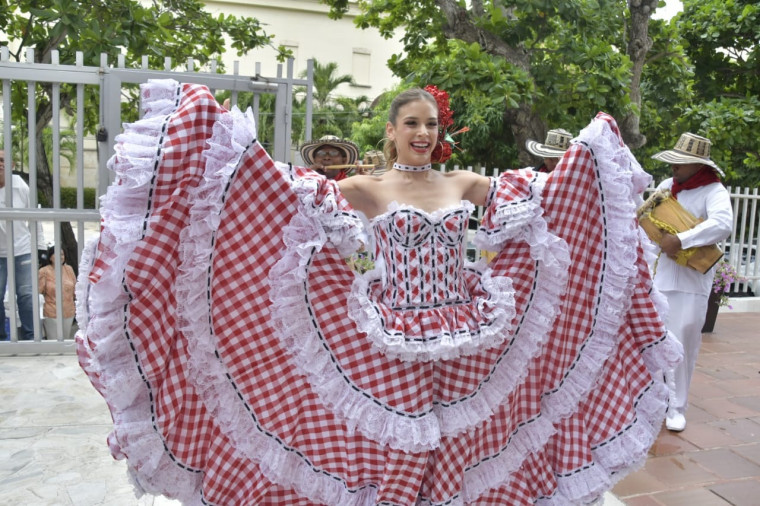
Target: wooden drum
<point>662,213</point>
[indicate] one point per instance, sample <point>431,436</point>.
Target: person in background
<point>330,150</point>
<point>557,142</point>
<point>46,278</point>
<point>696,186</point>
<point>376,159</point>
<point>22,255</point>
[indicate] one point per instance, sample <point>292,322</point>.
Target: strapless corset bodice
<point>423,255</point>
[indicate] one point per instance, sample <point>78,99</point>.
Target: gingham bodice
<point>423,301</point>
<point>423,254</point>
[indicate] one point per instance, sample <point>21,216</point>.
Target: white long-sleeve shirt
<point>22,238</point>
<point>712,203</point>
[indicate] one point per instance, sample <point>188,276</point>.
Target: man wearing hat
<point>696,186</point>
<point>330,151</point>
<point>557,142</point>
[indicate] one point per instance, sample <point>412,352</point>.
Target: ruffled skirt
<point>216,326</point>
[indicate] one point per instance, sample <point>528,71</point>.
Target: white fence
<point>110,83</point>
<point>741,247</point>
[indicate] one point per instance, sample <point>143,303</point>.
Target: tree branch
<point>44,53</point>
<point>459,25</point>
<point>22,43</point>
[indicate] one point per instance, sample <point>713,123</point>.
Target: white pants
<point>51,331</point>
<point>686,317</point>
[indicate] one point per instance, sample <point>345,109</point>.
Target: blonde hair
<point>403,98</point>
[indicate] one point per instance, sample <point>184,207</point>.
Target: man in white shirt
<point>22,254</point>
<point>696,186</point>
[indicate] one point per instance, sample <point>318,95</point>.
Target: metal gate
<point>111,82</point>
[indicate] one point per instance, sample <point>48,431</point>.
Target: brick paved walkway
<point>716,460</point>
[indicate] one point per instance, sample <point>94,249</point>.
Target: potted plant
<point>725,276</point>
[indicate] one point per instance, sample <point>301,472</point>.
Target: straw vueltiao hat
<point>690,148</point>
<point>557,142</point>
<point>377,158</point>
<point>349,148</point>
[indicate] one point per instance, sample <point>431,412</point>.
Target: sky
<point>672,7</point>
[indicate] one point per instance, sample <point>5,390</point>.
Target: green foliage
<point>20,143</point>
<point>481,87</point>
<point>564,61</point>
<point>577,75</point>
<point>326,82</point>
<point>723,41</point>
<point>718,96</point>
<point>333,115</point>
<point>559,61</point>
<point>732,125</point>
<point>69,198</point>
<point>176,29</point>
<point>369,133</point>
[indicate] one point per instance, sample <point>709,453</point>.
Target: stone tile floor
<point>53,428</point>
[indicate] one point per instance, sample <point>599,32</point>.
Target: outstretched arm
<point>475,187</point>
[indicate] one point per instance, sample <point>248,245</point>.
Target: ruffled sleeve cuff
<point>514,202</point>
<point>321,202</point>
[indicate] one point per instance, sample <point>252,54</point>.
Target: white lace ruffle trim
<point>310,230</point>
<point>620,177</point>
<point>102,304</point>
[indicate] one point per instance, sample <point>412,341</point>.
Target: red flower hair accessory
<point>443,148</point>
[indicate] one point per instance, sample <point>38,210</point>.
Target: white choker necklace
<point>412,168</point>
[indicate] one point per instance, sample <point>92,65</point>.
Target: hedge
<point>69,198</point>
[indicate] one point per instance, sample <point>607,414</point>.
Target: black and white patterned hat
<point>349,148</point>
<point>557,142</point>
<point>690,148</point>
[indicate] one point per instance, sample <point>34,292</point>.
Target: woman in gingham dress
<point>249,356</point>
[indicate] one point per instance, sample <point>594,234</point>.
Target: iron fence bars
<point>69,140</point>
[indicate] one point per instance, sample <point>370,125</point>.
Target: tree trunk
<point>525,124</point>
<point>639,44</point>
<point>45,186</point>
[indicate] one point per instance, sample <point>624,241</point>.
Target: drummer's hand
<point>670,244</point>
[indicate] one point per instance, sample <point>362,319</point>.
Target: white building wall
<point>304,27</point>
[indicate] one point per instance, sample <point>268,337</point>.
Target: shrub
<point>69,198</point>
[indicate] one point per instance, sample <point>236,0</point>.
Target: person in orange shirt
<point>47,289</point>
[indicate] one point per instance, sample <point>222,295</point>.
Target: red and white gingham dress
<point>245,363</point>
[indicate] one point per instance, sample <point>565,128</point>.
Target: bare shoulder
<point>472,185</point>
<point>357,182</point>
<point>360,192</point>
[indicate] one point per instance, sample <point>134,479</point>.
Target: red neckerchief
<point>704,177</point>
<point>341,175</point>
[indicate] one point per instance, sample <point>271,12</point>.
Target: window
<point>360,66</point>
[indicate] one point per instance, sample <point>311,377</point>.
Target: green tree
<point>326,82</point>
<point>722,41</point>
<point>553,63</point>
<point>332,115</point>
<point>177,29</point>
